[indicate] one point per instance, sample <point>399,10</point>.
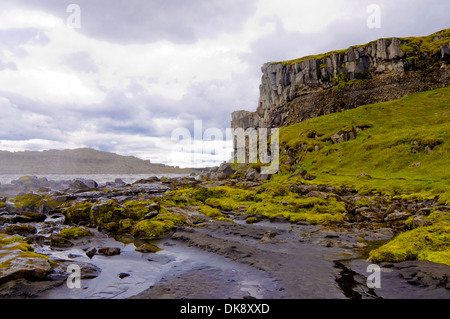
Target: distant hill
<point>79,161</point>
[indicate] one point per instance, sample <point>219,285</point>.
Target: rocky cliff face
<point>382,70</point>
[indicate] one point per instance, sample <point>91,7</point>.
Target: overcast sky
<point>122,75</point>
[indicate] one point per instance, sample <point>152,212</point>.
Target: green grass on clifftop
<point>401,147</point>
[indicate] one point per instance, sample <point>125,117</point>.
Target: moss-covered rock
<point>252,220</point>
<point>29,201</point>
<point>226,203</point>
<point>23,230</point>
<point>78,212</point>
<point>18,260</point>
<point>104,213</point>
<point>151,229</point>
<point>209,211</point>
<point>430,243</point>
<point>74,232</point>
<point>137,210</point>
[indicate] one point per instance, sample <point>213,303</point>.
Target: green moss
<point>20,229</point>
<point>272,189</point>
<point>74,232</point>
<point>226,204</point>
<point>363,202</point>
<point>137,209</point>
<point>209,211</point>
<point>174,218</point>
<point>149,229</point>
<point>7,240</point>
<point>14,243</point>
<point>438,216</point>
<point>28,201</point>
<point>224,219</point>
<point>430,243</point>
<point>77,212</point>
<point>252,220</point>
<point>314,218</point>
<point>10,245</point>
<point>27,254</point>
<point>126,225</point>
<point>409,223</point>
<point>107,213</point>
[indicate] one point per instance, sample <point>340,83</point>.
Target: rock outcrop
<point>382,70</point>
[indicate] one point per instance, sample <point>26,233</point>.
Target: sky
<point>126,76</point>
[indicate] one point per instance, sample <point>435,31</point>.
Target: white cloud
<point>302,15</point>
<point>49,85</point>
<point>69,88</point>
<point>28,19</point>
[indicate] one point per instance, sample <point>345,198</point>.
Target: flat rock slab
<point>31,268</point>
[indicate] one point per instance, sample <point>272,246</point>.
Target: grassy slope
<point>382,151</point>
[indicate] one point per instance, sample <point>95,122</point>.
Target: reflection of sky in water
<point>146,269</point>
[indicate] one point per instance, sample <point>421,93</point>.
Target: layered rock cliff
<point>382,70</point>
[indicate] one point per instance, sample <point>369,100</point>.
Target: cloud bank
<point>137,70</point>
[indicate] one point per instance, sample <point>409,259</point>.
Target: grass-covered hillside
<point>397,148</point>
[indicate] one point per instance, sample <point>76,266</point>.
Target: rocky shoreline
<point>184,251</point>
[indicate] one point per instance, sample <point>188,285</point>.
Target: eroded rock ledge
<point>382,70</point>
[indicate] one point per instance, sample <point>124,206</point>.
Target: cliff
<point>382,70</point>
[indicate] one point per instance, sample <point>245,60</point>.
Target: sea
<point>99,178</point>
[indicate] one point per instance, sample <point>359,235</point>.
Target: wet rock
<point>22,230</point>
<point>153,211</point>
<point>420,221</point>
<point>318,194</point>
<point>424,273</point>
<point>60,272</point>
<point>151,215</point>
<point>57,218</point>
<point>151,179</point>
<point>90,194</point>
<point>397,216</point>
<point>31,268</point>
<point>12,218</point>
<point>269,238</point>
<point>425,211</point>
<point>366,213</point>
<point>147,248</point>
<point>34,217</point>
<point>109,251</point>
<point>91,252</point>
<point>83,184</point>
<point>57,240</point>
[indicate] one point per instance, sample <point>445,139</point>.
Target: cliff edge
<point>382,70</point>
